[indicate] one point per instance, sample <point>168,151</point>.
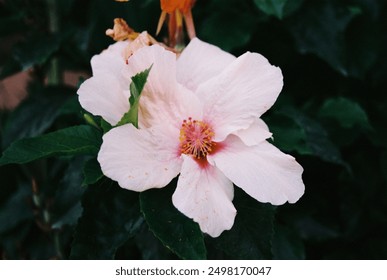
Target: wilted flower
<point>121,31</point>
<point>199,116</point>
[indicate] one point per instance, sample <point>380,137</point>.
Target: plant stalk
<point>54,75</point>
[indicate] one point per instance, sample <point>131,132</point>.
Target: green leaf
<point>92,172</point>
<point>252,232</point>
<point>10,241</point>
<point>346,112</point>
<point>111,215</point>
<point>150,247</point>
<point>105,126</point>
<point>37,49</point>
<point>288,135</point>
<point>77,140</point>
<point>287,245</point>
<point>271,7</point>
<point>67,206</point>
<point>137,84</point>
<point>321,30</point>
<point>16,209</point>
<point>177,232</point>
<point>136,87</point>
<point>311,137</point>
<point>310,228</point>
<point>71,106</point>
<point>29,120</point>
<point>228,29</point>
<point>278,8</point>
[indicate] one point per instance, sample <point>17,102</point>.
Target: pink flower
<point>199,117</point>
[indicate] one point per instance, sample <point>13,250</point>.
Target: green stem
<point>54,75</point>
<point>58,246</point>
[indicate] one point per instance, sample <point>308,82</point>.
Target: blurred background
<point>331,115</point>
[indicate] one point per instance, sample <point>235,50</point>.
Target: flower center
<point>196,138</point>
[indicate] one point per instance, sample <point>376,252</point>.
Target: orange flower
<point>177,10</point>
<point>170,6</point>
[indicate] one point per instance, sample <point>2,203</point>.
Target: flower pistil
<point>196,138</point>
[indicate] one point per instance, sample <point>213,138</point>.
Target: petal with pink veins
<point>103,96</point>
<point>246,89</point>
<point>204,194</point>
<point>257,132</point>
<point>262,171</point>
<point>199,62</point>
<point>163,99</point>
<point>140,159</point>
<point>110,61</point>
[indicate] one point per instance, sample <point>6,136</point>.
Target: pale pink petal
<point>110,60</point>
<point>103,96</point>
<point>257,132</point>
<point>119,47</point>
<point>199,62</point>
<point>106,94</point>
<point>240,94</point>
<point>205,195</point>
<point>262,171</point>
<point>140,159</point>
<point>162,77</point>
<point>156,108</point>
<point>163,100</point>
<point>142,40</point>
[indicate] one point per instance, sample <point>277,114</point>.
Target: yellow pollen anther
<point>196,138</point>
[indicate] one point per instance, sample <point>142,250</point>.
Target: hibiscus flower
<point>199,117</point>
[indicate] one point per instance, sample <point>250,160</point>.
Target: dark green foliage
<point>252,233</point>
<point>287,245</point>
<point>110,217</point>
<point>77,140</point>
<point>177,232</point>
<point>346,112</point>
<point>331,116</point>
<point>32,117</point>
<point>16,207</point>
<point>67,205</point>
<point>278,8</point>
<point>91,172</point>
